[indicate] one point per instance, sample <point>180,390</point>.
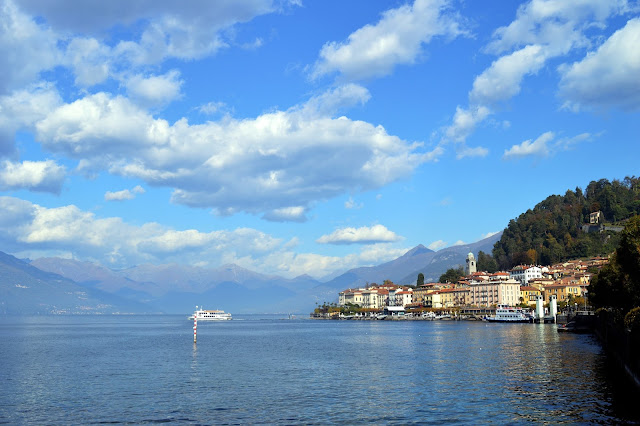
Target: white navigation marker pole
<point>195,328</point>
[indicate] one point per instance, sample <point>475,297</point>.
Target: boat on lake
<point>506,313</point>
<point>210,315</point>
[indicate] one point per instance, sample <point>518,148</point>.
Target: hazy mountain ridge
<point>27,290</point>
<point>405,269</point>
<point>174,288</point>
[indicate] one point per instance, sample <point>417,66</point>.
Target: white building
<point>525,273</point>
<point>471,264</point>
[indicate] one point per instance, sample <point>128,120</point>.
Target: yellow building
<point>562,291</point>
<point>529,294</point>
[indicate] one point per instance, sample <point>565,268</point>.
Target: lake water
<point>266,370</point>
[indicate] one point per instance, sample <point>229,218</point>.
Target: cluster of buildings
<point>522,284</point>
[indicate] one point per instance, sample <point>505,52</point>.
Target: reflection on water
<point>140,369</point>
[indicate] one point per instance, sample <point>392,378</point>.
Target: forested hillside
<point>552,230</point>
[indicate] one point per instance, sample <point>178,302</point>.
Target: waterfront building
<point>563,291</point>
<point>403,297</point>
<point>350,296</point>
<point>432,300</point>
<point>372,297</point>
<point>494,292</point>
<point>529,294</point>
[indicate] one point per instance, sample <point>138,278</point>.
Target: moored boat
<point>506,313</point>
<point>210,315</point>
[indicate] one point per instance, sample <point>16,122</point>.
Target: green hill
<point>553,230</point>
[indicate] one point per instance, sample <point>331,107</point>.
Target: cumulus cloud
<point>287,214</point>
<point>464,122</point>
<point>539,147</point>
<point>277,164</point>
<point>363,235</point>
<point>38,176</point>
<point>374,50</point>
<point>26,48</point>
<point>501,81</point>
<point>437,245</point>
<point>558,24</point>
<point>30,230</point>
<point>156,89</point>
<point>351,204</point>
<point>70,33</point>
<point>608,76</point>
<point>21,109</point>
<point>125,194</point>
<point>545,146</point>
<point>212,108</point>
<point>90,60</point>
<point>466,151</point>
<point>167,28</point>
<point>542,30</point>
<point>489,234</point>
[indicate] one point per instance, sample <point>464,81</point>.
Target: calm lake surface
<point>263,369</point>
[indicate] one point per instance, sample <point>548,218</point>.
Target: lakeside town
<point>474,295</point>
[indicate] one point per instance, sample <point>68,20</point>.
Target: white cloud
<point>90,60</point>
<point>542,30</point>
<point>125,194</point>
<point>545,146</point>
<point>39,176</point>
<point>465,121</point>
<point>26,48</point>
<point>458,243</point>
<point>374,50</point>
<point>466,151</point>
<point>154,90</point>
<point>333,101</point>
<point>363,235</point>
<point>501,81</point>
<point>167,28</point>
<point>71,33</point>
<point>287,214</point>
<point>279,161</point>
<point>608,76</point>
<point>351,204</point>
<point>558,24</point>
<point>437,245</point>
<point>489,234</point>
<point>212,107</point>
<point>21,109</point>
<point>30,230</point>
<point>539,147</point>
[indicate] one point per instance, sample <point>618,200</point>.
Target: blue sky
<point>294,137</point>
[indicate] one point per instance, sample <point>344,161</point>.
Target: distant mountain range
<point>405,269</point>
<point>27,290</point>
<point>55,285</point>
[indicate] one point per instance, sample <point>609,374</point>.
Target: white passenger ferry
<point>210,315</point>
<point>506,313</point>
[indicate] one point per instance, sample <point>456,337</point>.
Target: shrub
<point>632,320</point>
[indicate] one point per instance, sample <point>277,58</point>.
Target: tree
<point>420,279</point>
<point>618,283</point>
<point>486,263</point>
<point>552,230</point>
<point>452,275</point>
